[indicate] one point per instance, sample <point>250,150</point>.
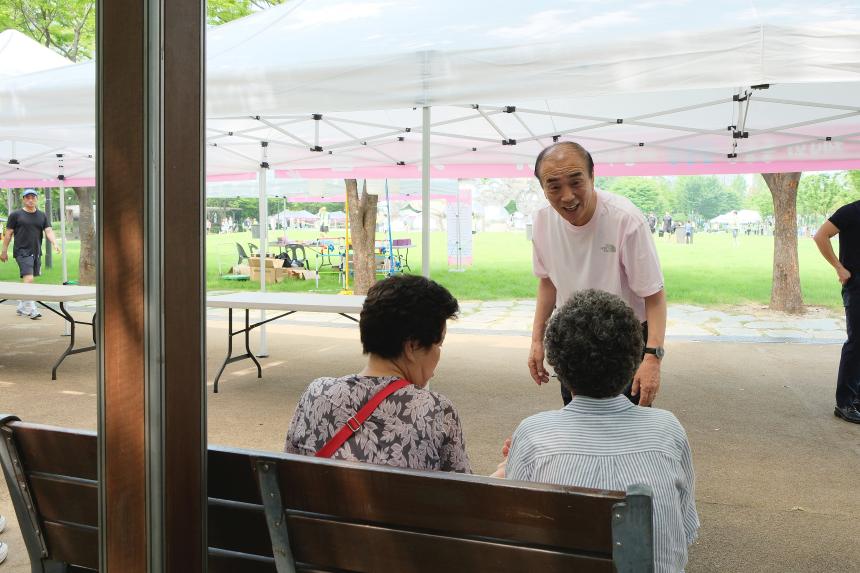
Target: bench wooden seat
<point>278,513</point>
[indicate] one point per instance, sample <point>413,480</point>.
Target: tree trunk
<point>785,294</point>
<point>87,230</point>
<point>362,228</point>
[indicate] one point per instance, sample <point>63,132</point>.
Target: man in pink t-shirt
<point>587,238</point>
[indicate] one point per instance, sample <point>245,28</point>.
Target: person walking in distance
<point>845,222</point>
<point>26,226</point>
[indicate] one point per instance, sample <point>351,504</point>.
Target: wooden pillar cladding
<point>184,307</point>
<point>121,284</point>
<point>151,287</point>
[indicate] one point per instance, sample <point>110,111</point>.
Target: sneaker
<point>20,312</point>
<point>35,315</point>
<point>4,551</point>
<point>2,523</point>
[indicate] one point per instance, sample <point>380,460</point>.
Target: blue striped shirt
<point>611,444</point>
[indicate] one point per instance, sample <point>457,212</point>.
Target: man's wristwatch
<point>658,351</point>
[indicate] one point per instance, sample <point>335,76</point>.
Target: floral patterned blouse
<point>412,428</point>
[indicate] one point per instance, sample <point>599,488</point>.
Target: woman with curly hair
<point>600,439</point>
<point>402,325</point>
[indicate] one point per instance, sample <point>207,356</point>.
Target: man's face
<point>30,201</point>
<point>568,186</point>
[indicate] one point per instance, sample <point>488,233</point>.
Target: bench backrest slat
<point>354,547</point>
<point>466,506</point>
<point>59,451</point>
<point>72,543</point>
<point>61,500</point>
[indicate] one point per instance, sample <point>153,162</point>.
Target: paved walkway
<point>685,322</point>
<point>751,323</point>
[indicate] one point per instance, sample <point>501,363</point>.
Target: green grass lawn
<point>709,272</point>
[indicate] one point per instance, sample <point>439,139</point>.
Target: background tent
<point>743,217</point>
<point>650,88</point>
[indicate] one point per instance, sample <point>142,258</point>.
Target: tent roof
<point>330,190</point>
<point>20,54</point>
<point>649,88</point>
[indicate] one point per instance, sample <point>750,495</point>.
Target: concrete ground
<point>777,474</point>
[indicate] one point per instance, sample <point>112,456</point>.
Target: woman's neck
<point>380,367</point>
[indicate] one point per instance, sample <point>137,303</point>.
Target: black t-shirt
<point>27,228</point>
<point>847,220</point>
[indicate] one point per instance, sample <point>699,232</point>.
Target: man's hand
<point>4,257</point>
<point>536,367</point>
<point>646,382</point>
<point>843,274</point>
<point>57,248</point>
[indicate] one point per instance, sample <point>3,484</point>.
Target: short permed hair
<point>594,343</point>
<point>404,308</point>
<point>589,162</point>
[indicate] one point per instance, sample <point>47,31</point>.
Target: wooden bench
<point>279,513</point>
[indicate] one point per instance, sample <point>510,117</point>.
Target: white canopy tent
<point>330,190</point>
<point>20,54</point>
<point>741,217</point>
<point>657,87</point>
<point>648,87</point>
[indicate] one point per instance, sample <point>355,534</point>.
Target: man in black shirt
<point>846,223</point>
<point>27,225</point>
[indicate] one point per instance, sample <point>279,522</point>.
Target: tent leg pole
<point>66,330</point>
<point>263,350</point>
<point>425,192</point>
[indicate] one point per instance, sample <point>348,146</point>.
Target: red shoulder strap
<point>354,423</point>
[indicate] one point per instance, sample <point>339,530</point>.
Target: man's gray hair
<point>594,343</point>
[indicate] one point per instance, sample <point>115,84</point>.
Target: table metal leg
<point>248,354</point>
<point>248,344</point>
<point>71,348</point>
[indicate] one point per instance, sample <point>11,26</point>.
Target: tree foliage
<point>69,26</point>
<point>759,198</point>
<point>822,193</point>
<point>223,11</point>
<point>705,196</point>
<point>66,26</point>
<point>644,192</point>
<point>854,179</point>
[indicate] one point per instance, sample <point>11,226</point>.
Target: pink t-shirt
<point>613,252</point>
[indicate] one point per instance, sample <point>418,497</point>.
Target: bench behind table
<point>339,516</point>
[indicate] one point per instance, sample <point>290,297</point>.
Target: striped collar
<point>587,405</point>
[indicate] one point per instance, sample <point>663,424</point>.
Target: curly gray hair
<point>594,343</point>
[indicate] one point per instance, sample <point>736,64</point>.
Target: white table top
<point>287,301</point>
<point>256,300</point>
<point>45,293</point>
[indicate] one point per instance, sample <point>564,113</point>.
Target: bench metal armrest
<point>276,517</point>
<point>633,531</point>
<point>19,491</point>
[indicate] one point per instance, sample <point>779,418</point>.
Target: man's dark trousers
<point>848,381</point>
